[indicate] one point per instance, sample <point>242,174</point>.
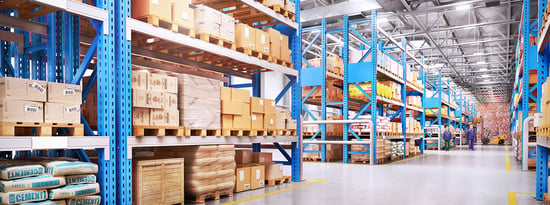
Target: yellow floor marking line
<point>508,169</point>
<point>315,181</point>
<point>512,197</point>
<point>410,158</point>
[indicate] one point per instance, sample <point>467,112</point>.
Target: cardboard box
<point>285,54</point>
<point>172,117</point>
<point>262,157</point>
<point>232,108</point>
<point>262,41</point>
<point>61,113</point>
<point>245,37</point>
<point>274,42</point>
<point>227,121</point>
<point>155,99</point>
<point>183,15</point>
<point>139,98</point>
<point>269,107</point>
<point>139,79</point>
<point>207,21</point>
<point>257,121</point>
<point>23,89</point>
<point>280,123</point>
<point>256,105</point>
<point>140,116</point>
<point>242,182</point>
<point>64,93</point>
<point>257,177</point>
<point>240,95</point>
<point>21,111</point>
<point>160,8</point>
<point>171,84</point>
<point>283,114</point>
<point>291,124</point>
<point>227,28</point>
<point>273,171</point>
<point>270,121</point>
<point>289,6</point>
<point>170,101</point>
<point>284,43</point>
<point>243,156</point>
<point>241,122</point>
<point>156,82</point>
<point>280,3</point>
<point>158,117</point>
<point>225,93</point>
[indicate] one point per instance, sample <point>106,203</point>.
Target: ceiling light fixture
<point>463,7</point>
<point>483,69</point>
<point>481,62</point>
<point>384,20</point>
<point>478,54</point>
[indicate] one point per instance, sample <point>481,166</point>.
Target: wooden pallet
<point>281,62</point>
<point>254,53</point>
<point>151,130</point>
<point>211,195</point>
<point>543,131</point>
<point>278,181</point>
<point>367,161</point>
<point>238,132</point>
<point>26,9</point>
<point>201,132</point>
<point>168,24</point>
<point>40,129</point>
<point>216,40</point>
<point>318,159</point>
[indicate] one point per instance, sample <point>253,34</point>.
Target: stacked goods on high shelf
<point>335,64</point>
<point>154,99</point>
<point>384,62</point>
<point>256,170</point>
<point>208,172</point>
<point>413,126</point>
<point>214,26</point>
<point>382,90</point>
<point>259,43</point>
<point>199,111</point>
<point>48,181</point>
<point>434,111</point>
<point>284,120</point>
<point>414,79</point>
<point>394,92</point>
<point>334,93</point>
<point>29,104</point>
<point>383,125</point>
<point>364,158</point>
<point>278,47</point>
<point>173,15</point>
<point>544,129</point>
<point>414,101</point>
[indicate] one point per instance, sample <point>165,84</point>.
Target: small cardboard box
<point>225,93</point>
<point>291,124</point>
<point>232,108</point>
<point>64,93</point>
<point>242,182</point>
<point>289,6</point>
<point>139,98</point>
<point>170,101</point>
<point>285,54</point>
<point>156,82</point>
<point>257,177</point>
<point>140,116</point>
<point>282,114</point>
<point>270,122</point>
<point>280,3</point>
<point>284,44</point>
<point>155,99</point>
<point>240,95</point>
<point>274,43</point>
<point>207,21</point>
<point>243,156</point>
<point>23,89</point>
<point>273,171</point>
<point>262,41</point>
<point>269,107</point>
<point>160,8</point>
<point>227,121</point>
<point>241,122</point>
<point>256,105</point>
<point>257,121</point>
<point>139,80</point>
<point>227,28</point>
<point>280,124</point>
<point>171,84</point>
<point>262,157</point>
<point>245,37</point>
<point>172,117</point>
<point>21,111</point>
<point>61,113</point>
<point>183,15</point>
<point>158,117</point>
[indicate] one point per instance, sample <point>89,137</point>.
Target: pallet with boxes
<point>173,15</point>
<point>248,15</point>
<point>268,44</point>
<point>39,108</point>
<point>256,170</point>
<point>381,154</point>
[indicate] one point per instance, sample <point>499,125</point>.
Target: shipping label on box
<point>61,113</point>
<point>245,37</point>
<point>140,116</point>
<point>256,105</point>
<point>156,82</point>
<point>170,101</point>
<point>257,121</point>
<point>155,99</point>
<point>242,179</point>
<point>139,80</point>
<point>21,111</point>
<point>257,177</point>
<point>64,93</point>
<point>232,108</point>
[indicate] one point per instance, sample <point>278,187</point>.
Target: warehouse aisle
<point>455,177</point>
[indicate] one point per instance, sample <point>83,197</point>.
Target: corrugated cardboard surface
<point>23,89</point>
<point>245,36</point>
<point>21,111</point>
<point>257,121</point>
<point>160,8</point>
<point>64,93</point>
<point>140,116</point>
<point>199,102</point>
<point>495,116</point>
<point>257,105</point>
<point>61,113</point>
<point>183,15</point>
<point>262,41</point>
<point>139,79</point>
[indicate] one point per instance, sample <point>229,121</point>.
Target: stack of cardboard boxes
<point>278,45</point>
<point>177,12</point>
<point>23,100</point>
<point>215,23</point>
<point>199,102</point>
<point>253,168</point>
<point>284,120</point>
<point>268,41</point>
<point>334,152</point>
<point>240,111</point>
<point>154,99</point>
<point>415,101</point>
<point>335,64</point>
<point>395,89</point>
<point>380,151</point>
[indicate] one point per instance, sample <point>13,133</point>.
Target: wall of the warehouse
<point>496,118</point>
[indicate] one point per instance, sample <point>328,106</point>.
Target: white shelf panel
<point>178,38</point>
<point>386,100</point>
<point>414,108</point>
<point>260,7</point>
<point>154,141</point>
<point>80,9</point>
<point>390,75</point>
<point>42,143</point>
<point>415,88</point>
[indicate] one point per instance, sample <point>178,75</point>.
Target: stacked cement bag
<point>82,187</point>
<point>23,182</point>
<point>225,161</point>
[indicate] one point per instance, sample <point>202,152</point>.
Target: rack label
<point>39,87</point>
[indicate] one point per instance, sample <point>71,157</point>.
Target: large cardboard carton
<point>245,37</point>
<point>256,105</point>
<point>183,15</point>
<point>270,122</point>
<point>170,101</point>
<point>156,82</point>
<point>273,171</point>
<point>139,98</point>
<point>140,116</point>
<point>285,54</point>
<point>61,113</point>
<point>269,107</point>
<point>240,95</point>
<point>158,117</point>
<point>159,8</point>
<point>232,108</point>
<point>257,177</point>
<point>227,121</point>
<point>207,21</point>
<point>172,117</point>
<point>171,84</point>
<point>199,99</point>
<point>139,79</point>
<point>262,41</point>
<point>225,93</point>
<point>243,156</point>
<point>289,6</point>
<point>274,43</point>
<point>256,121</point>
<point>155,99</point>
<point>21,111</point>
<point>227,28</point>
<point>64,93</point>
<point>23,89</point>
<point>262,157</point>
<point>242,182</point>
<point>242,122</point>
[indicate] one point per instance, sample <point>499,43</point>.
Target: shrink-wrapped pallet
<point>199,102</point>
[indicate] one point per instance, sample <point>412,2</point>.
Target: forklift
<point>493,139</point>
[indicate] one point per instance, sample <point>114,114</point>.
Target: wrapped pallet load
<point>199,102</point>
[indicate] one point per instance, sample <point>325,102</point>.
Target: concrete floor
<point>455,177</point>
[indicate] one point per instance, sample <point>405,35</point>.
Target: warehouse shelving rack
<point>364,71</point>
<point>114,54</point>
